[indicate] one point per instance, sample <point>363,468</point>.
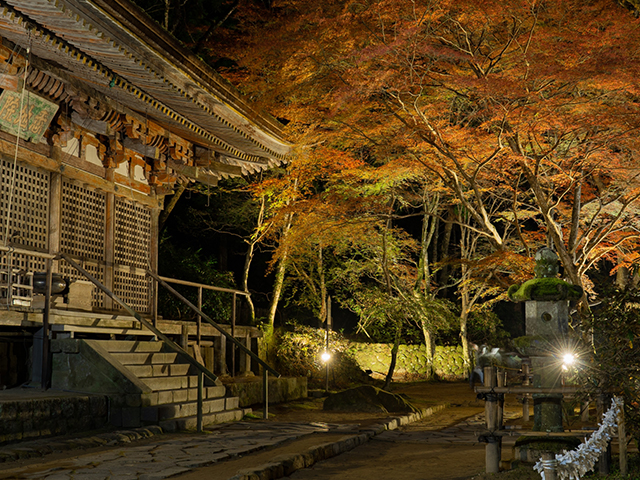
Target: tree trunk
<point>248,257</point>
<point>428,348</point>
<point>464,339</point>
<point>444,245</point>
<point>394,355</point>
<point>279,281</point>
<point>164,215</point>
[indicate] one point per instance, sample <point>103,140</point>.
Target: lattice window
<point>83,221</point>
<point>134,289</point>
<point>29,205</point>
<point>133,233</point>
<point>96,270</point>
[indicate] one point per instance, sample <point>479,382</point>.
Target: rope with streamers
<point>574,464</point>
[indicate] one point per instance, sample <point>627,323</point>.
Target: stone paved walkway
<point>434,430</point>
<point>168,457</point>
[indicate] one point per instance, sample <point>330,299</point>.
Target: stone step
<point>122,346</point>
<point>171,383</point>
<point>144,358</point>
<point>191,423</point>
<point>187,409</point>
<point>182,395</point>
<point>159,370</point>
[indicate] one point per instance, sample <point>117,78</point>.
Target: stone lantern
<point>546,300</point>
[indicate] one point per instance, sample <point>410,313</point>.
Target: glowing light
<point>568,359</point>
<point>326,356</point>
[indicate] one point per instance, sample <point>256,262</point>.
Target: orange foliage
<point>521,109</point>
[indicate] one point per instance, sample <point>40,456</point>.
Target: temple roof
<point>114,48</point>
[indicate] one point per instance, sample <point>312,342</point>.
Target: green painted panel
<point>37,114</point>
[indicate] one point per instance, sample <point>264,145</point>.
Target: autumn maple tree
<point>526,112</point>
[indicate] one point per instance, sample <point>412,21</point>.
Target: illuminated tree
<point>527,112</point>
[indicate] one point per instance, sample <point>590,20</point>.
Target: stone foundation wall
<point>27,419</point>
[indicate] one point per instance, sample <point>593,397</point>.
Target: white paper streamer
<point>574,464</point>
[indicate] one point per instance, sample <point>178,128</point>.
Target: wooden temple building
<point>102,115</point>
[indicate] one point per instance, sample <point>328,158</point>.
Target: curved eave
<point>103,53</point>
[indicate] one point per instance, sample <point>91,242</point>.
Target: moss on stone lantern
<point>545,286</point>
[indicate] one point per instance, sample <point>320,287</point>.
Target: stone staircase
<point>170,397</point>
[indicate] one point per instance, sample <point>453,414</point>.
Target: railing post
<point>622,440</point>
<point>265,394</point>
<point>233,334</point>
<point>9,278</point>
<point>550,466</point>
<point>492,449</point>
<point>156,293</point>
<point>45,377</point>
<point>198,333</point>
<point>525,397</point>
<point>200,395</point>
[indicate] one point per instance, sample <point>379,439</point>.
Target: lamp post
<point>326,356</point>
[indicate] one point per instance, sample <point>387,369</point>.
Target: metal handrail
<point>202,370</point>
<point>265,366</point>
<point>203,285</point>
<point>23,251</point>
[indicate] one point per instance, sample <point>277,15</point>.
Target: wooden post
<point>199,332</point>
<point>265,394</point>
<point>184,337</point>
<point>200,396</point>
<point>550,465</point>
<point>109,241</point>
<point>585,411</point>
<point>45,379</point>
<point>55,213</point>
<point>153,261</point>
<point>501,381</point>
<point>525,398</point>
<point>622,441</point>
<point>247,359</point>
<point>604,462</point>
<point>233,334</point>
<point>220,354</point>
<point>492,449</point>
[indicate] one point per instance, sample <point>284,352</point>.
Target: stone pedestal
<point>547,408</point>
<point>80,295</point>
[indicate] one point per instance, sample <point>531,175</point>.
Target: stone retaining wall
<point>24,418</point>
<point>411,363</point>
<point>284,389</point>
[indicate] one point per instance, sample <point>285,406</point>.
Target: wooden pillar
<point>109,241</point>
<point>55,216</point>
<point>154,241</point>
